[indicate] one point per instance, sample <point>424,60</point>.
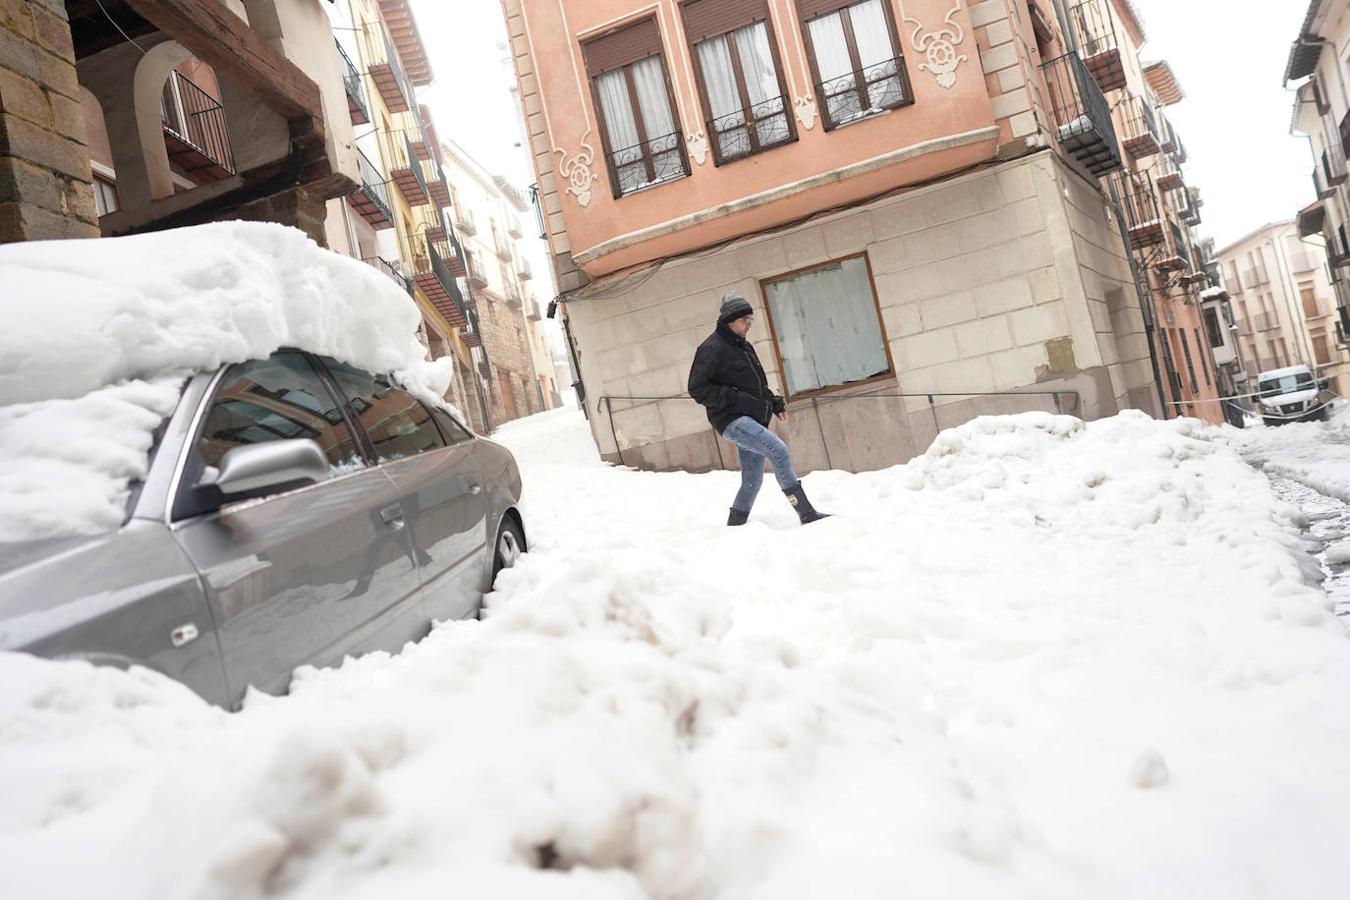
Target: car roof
<point>1287,370</point>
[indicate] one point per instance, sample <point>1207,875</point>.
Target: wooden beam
<point>218,37</point>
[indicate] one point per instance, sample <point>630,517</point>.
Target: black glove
<point>779,406</point>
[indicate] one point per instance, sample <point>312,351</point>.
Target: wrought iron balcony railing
<point>464,221</point>
<point>744,133</point>
<point>406,171</point>
<point>1097,42</point>
<point>357,105</point>
<point>1082,116</point>
<point>195,133</point>
<point>1333,164</point>
<point>1345,134</point>
<point>523,270</point>
<point>371,199</point>
<point>1142,139</point>
<point>388,74</point>
<point>861,94</point>
<point>658,161</point>
<point>1320,185</point>
<point>1139,207</point>
<point>474,270</point>
<point>391,268</point>
<point>436,279</point>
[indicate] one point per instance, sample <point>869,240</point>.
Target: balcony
<point>1333,165</point>
<point>371,199</point>
<point>1168,174</point>
<point>435,280</point>
<point>1097,42</point>
<point>513,297</point>
<point>1302,261</point>
<point>1312,219</point>
<point>356,92</point>
<point>1082,116</point>
<point>1175,251</point>
<point>1320,185</point>
<point>388,76</point>
<point>194,131</point>
<point>474,270</point>
<point>1254,278</point>
<point>1265,321</point>
<point>523,270</point>
<point>1141,128</point>
<point>406,172</point>
<point>473,332</point>
<point>501,244</point>
<point>407,38</point>
<point>464,222</point>
<point>436,184</point>
<point>533,313</point>
<point>1139,207</point>
<point>393,269</point>
<point>1338,249</point>
<point>1345,135</point>
<point>513,228</point>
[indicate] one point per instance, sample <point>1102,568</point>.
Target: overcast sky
<point>1229,58</point>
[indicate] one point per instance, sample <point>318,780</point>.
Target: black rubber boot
<point>805,511</point>
<point>737,517</point>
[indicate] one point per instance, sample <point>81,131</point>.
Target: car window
<point>397,423</point>
<point>276,399</point>
<point>454,432</point>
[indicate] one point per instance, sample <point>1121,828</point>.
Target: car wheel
<point>510,547</point>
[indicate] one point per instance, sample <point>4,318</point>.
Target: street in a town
<point>677,450</point>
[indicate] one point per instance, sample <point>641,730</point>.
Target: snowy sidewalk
<point>1043,660</point>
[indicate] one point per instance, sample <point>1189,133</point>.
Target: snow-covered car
<point>206,472</point>
<point>1291,394</point>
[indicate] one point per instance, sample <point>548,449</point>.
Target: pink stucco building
<point>933,206</point>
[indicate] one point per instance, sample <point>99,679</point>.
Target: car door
<point>436,471</point>
<point>292,578</point>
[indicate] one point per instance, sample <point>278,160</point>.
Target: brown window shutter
<point>705,19</point>
<point>812,9</point>
<point>625,46</point>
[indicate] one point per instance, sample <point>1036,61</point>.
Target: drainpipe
<point>1145,295</point>
<point>1066,25</point>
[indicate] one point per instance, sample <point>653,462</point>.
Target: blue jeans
<point>754,443</point>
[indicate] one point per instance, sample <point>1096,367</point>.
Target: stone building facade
<point>966,224</point>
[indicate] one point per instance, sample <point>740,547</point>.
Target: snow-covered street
<point>1043,660</point>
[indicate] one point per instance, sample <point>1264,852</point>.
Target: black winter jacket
<point>728,380</point>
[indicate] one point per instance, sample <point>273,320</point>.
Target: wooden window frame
<point>881,326</point>
<point>1204,356</point>
<point>743,91</point>
<point>860,82</point>
<point>643,140</point>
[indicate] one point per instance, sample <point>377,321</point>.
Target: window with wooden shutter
<point>639,125</point>
<point>745,104</point>
<point>856,61</point>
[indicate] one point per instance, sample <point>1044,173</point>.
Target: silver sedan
<point>296,510</point>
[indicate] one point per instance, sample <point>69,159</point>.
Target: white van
<point>1291,394</point>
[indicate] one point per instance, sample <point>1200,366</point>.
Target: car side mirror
<point>271,464</point>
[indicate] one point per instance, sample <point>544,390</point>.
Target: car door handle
<point>474,486</point>
<point>393,516</point>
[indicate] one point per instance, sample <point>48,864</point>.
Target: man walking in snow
<point>727,379</point>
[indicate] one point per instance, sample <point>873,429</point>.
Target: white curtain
<point>622,128</point>
<point>827,327</point>
<point>714,58</point>
<point>835,66</point>
<point>761,80</point>
<point>875,48</point>
<point>662,143</point>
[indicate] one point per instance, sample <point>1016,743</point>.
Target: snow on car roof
<point>1287,370</point>
<point>100,333</point>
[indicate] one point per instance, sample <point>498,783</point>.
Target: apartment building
<point>123,116</point>
<point>519,380</point>
<point>1319,65</point>
<point>937,209</point>
<point>1284,302</point>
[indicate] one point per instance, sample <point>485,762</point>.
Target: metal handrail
<point>1077,101</point>
<point>393,269</point>
<point>859,84</point>
<point>196,118</point>
<point>607,401</point>
<point>1096,29</point>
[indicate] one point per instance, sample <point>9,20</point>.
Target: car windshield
<point>1286,384</point>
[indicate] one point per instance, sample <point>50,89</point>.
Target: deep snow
<point>1043,660</point>
<point>98,335</point>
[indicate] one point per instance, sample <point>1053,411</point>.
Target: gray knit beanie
<point>734,306</point>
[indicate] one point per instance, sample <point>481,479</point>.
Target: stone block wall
<point>46,187</point>
<point>1004,279</point>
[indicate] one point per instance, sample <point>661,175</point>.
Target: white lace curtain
<point>872,36</point>
<point>658,121</point>
<point>761,82</point>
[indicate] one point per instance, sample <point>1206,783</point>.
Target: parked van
<point>1291,394</point>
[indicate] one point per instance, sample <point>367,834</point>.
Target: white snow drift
<point>99,333</point>
<point>1043,660</point>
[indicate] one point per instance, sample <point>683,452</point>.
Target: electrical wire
<point>114,24</point>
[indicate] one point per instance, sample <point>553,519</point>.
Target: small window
<point>639,129</point>
<point>1214,328</point>
<point>855,59</point>
<point>826,326</point>
<point>105,196</point>
<point>398,424</point>
<point>276,399</point>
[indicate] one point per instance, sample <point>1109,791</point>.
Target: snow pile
<point>1043,660</point>
<point>1314,453</point>
<point>87,322</point>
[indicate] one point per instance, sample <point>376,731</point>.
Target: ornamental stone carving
<point>577,170</point>
<point>939,47</point>
<point>806,112</point>
<point>698,146</point>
